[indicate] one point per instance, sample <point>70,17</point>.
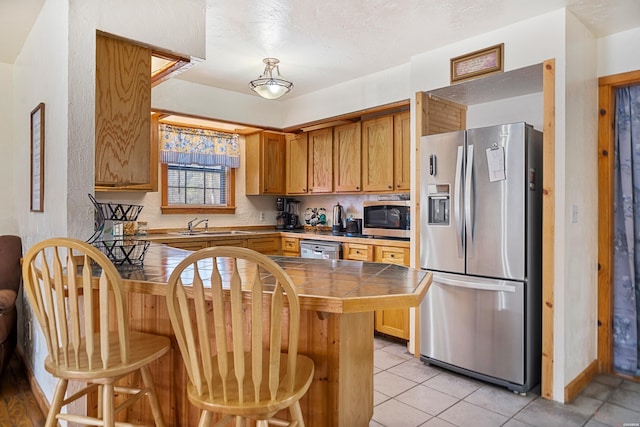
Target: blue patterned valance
<point>188,146</point>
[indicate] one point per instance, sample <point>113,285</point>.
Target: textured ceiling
<point>323,43</point>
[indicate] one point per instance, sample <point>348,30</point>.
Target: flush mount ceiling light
<point>266,85</point>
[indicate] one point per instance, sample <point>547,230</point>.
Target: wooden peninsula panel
<point>338,299</point>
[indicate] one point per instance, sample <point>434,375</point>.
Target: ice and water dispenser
<point>439,196</point>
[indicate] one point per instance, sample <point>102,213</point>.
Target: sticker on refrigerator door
<point>495,162</point>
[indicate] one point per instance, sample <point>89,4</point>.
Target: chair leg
<point>56,403</point>
<point>107,406</point>
<point>296,413</point>
<point>156,410</point>
<point>100,393</point>
<point>205,419</point>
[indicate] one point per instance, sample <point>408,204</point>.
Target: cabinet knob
<point>357,188</point>
<point>304,189</point>
<point>389,187</point>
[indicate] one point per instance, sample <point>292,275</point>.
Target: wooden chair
<point>99,358</point>
<point>231,337</point>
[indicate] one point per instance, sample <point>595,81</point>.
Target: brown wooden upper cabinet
<point>347,158</point>
<point>377,154</point>
<point>296,156</point>
<point>402,151</point>
<point>265,163</point>
<point>321,161</point>
<point>124,157</point>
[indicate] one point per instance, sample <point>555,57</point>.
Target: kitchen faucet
<point>191,225</point>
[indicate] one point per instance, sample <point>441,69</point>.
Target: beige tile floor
<point>410,393</point>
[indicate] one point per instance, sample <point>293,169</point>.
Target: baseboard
<point>574,388</point>
<point>38,394</point>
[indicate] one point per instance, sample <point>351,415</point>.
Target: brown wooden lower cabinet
<point>290,246</point>
<point>393,322</point>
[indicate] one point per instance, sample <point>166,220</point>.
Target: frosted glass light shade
<point>266,85</point>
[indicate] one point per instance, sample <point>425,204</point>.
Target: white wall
<point>190,98</point>
<point>618,53</point>
<point>376,89</point>
<point>578,293</point>
<point>41,75</point>
<point>8,219</point>
<point>527,108</point>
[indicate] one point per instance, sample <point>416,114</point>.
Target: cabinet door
<point>393,322</point>
<point>296,157</point>
<point>290,246</point>
<point>188,245</point>
<point>265,163</point>
<point>122,117</point>
<point>265,245</point>
<point>402,151</point>
<point>347,158</point>
<point>273,163</point>
<point>377,154</point>
<point>240,243</point>
<point>321,161</point>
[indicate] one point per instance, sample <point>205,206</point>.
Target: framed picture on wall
<point>37,159</point>
<point>478,63</point>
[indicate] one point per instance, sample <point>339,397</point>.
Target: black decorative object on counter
<point>120,249</point>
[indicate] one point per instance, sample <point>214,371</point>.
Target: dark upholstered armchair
<point>10,279</point>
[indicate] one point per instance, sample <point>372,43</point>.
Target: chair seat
<point>249,407</point>
<point>143,349</point>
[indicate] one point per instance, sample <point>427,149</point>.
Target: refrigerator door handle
<point>458,202</point>
<point>473,285</point>
<point>468,196</point>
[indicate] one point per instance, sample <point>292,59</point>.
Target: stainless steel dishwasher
<point>320,249</point>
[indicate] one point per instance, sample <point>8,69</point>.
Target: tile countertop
<point>333,286</point>
<point>305,234</point>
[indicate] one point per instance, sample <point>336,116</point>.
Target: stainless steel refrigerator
<point>480,236</point>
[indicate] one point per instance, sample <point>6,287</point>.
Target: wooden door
<point>296,158</point>
<point>347,158</point>
<point>321,161</point>
<point>273,163</point>
<point>377,154</point>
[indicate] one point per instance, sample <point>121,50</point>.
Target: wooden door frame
<point>606,115</point>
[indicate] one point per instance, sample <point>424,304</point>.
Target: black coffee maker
<point>287,216</point>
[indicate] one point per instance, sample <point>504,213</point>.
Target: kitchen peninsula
<point>337,298</point>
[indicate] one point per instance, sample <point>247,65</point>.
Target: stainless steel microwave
<point>387,218</point>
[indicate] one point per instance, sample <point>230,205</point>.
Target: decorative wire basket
<point>123,251</point>
<point>117,211</point>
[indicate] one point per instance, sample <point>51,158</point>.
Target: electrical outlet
<point>28,330</point>
<point>262,216</point>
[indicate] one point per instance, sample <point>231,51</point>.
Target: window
<point>198,169</point>
<point>196,185</point>
<point>193,188</point>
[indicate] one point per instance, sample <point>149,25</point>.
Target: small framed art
<point>37,159</point>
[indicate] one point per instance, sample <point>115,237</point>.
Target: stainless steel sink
<point>213,233</point>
